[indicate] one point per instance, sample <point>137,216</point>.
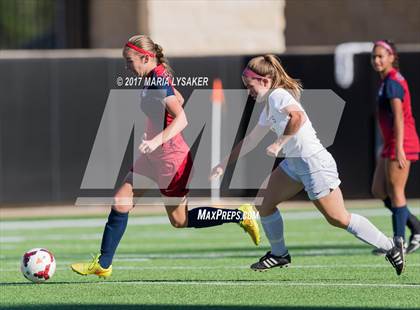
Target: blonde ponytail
<point>161,58</point>
<point>146,43</point>
<point>270,66</point>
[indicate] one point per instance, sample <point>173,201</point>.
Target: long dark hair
<point>395,63</point>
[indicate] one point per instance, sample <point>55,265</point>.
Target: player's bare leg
<point>101,264</point>
<point>396,180</point>
<point>272,196</point>
<point>379,189</point>
<point>334,211</point>
<point>280,187</point>
<point>177,213</point>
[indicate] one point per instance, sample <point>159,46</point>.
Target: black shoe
<point>414,243</point>
<point>270,261</point>
<point>396,255</point>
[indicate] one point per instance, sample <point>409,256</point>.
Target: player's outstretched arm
<point>246,145</point>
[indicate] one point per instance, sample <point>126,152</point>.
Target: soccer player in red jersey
<point>165,158</point>
<point>400,142</point>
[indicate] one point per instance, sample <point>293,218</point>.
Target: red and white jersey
<point>395,86</point>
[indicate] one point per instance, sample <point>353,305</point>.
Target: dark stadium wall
<point>51,110</point>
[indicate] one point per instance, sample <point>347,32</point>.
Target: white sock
<point>364,230</point>
<point>273,227</point>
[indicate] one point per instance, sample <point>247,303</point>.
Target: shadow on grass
<point>311,250</point>
<point>142,281</point>
<point>181,307</point>
<point>238,252</point>
<point>146,282</point>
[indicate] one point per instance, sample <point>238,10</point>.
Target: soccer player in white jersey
<point>307,165</point>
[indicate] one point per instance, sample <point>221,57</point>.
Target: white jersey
<point>305,142</point>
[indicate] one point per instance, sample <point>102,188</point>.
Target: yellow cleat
<point>93,268</point>
<point>249,223</point>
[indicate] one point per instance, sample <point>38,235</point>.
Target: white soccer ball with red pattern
<point>38,265</point>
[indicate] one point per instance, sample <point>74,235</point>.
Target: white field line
<point>64,266</point>
<point>261,283</point>
<point>156,220</point>
<point>246,267</point>
<point>76,223</point>
<point>224,254</point>
<point>227,254</point>
<point>243,253</point>
<point>209,255</point>
<point>58,237</point>
<point>192,243</point>
<point>7,247</point>
<point>141,235</point>
<point>192,235</point>
<point>250,283</point>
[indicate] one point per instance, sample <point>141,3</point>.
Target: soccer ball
<point>38,265</point>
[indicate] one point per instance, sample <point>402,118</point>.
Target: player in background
<point>165,158</point>
<point>400,143</point>
<point>307,165</point>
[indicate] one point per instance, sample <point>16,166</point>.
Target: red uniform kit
<point>170,165</point>
<point>395,86</point>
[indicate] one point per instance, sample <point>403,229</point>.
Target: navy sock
<point>413,222</point>
<point>399,220</point>
<point>207,216</point>
<point>114,230</point>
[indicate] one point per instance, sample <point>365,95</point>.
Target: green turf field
<point>160,267</point>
